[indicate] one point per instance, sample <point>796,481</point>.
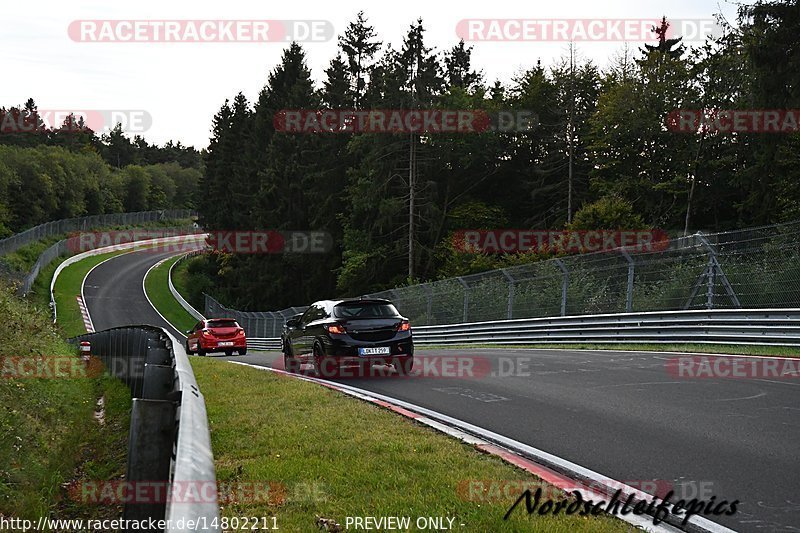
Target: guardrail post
<point>629,290</point>
<point>152,432</point>
<point>466,296</point>
<point>564,285</point>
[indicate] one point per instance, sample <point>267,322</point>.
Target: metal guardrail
<point>264,344</point>
<point>777,327</point>
<point>177,295</point>
<point>169,438</point>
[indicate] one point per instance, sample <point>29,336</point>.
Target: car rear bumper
<point>215,344</point>
<point>348,349</point>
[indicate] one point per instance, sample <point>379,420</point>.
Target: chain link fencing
<point>62,247</point>
<point>67,225</point>
<point>743,269</point>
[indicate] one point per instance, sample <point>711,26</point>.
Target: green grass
<point>68,286</point>
<point>336,456</point>
<point>735,349</point>
<point>180,278</point>
<point>157,286</point>
<point>48,434</point>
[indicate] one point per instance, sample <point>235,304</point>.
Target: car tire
<point>201,352</point>
<point>228,353</point>
<point>404,365</point>
<point>290,364</point>
<point>243,352</point>
<point>322,365</point>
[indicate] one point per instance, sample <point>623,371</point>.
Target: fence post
<point>511,289</point>
<point>429,303</point>
<point>564,285</point>
<point>466,297</point>
<point>629,292</point>
<point>711,279</point>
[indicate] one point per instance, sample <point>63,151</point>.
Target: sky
<point>175,88</point>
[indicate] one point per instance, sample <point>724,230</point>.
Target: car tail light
<point>405,325</point>
<point>336,328</point>
<point>240,331</point>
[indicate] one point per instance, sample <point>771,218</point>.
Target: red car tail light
<point>336,328</point>
<point>405,325</point>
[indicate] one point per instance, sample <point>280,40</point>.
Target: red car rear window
<point>222,324</point>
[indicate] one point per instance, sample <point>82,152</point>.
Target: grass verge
<point>336,456</point>
<point>48,433</point>
<point>180,278</point>
<point>68,286</point>
<point>734,349</point>
<point>157,286</point>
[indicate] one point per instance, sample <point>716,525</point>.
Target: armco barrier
<point>169,435</point>
<point>181,300</point>
<point>777,327</point>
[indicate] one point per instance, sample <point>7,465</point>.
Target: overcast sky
<point>181,85</point>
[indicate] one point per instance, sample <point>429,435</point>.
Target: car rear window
<point>365,310</point>
<point>222,324</point>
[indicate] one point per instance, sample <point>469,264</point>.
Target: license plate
<point>226,343</point>
<point>381,350</point>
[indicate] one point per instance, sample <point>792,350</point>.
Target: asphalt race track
<point>621,414</point>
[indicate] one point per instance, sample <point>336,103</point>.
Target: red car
<point>216,335</point>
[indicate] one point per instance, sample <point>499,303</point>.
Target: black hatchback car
<point>334,333</point>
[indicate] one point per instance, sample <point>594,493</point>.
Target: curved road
<point>618,413</point>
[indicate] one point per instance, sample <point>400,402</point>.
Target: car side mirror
<point>188,332</point>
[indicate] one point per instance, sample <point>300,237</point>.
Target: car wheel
<point>228,353</point>
<point>324,366</point>
<point>290,364</point>
<point>403,365</point>
<point>243,352</point>
<point>201,352</point>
